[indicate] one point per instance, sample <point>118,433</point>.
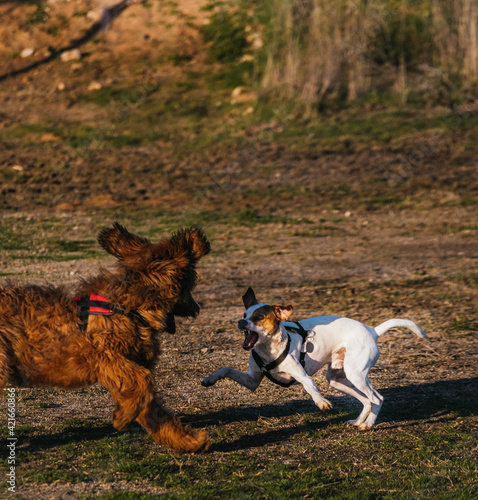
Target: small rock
<point>94,86</point>
<point>49,137</point>
<point>94,15</point>
<point>71,55</point>
<point>27,52</point>
<point>240,95</point>
<point>65,207</point>
<point>101,201</point>
<point>247,58</point>
<point>17,168</point>
<point>61,86</point>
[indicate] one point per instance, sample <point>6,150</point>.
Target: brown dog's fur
<point>43,343</point>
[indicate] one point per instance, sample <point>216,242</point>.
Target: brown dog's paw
<point>122,417</point>
<point>195,442</point>
<point>181,439</point>
<point>120,423</point>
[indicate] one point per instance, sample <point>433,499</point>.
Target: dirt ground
<point>355,232</point>
<point>377,266</point>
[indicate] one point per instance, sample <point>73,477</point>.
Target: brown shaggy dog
<point>48,337</point>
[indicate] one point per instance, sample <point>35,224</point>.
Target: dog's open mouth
<point>250,339</point>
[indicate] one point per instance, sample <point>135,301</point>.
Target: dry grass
<point>319,47</point>
<point>344,49</point>
<point>456,36</point>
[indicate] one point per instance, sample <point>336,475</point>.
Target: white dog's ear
<point>249,298</point>
<point>283,313</point>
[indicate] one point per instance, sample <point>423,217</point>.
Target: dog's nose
<point>242,324</point>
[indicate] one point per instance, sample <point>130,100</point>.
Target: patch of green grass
<point>469,278</point>
<point>420,282</point>
<point>178,59</point>
<point>10,239</point>
<point>379,201</point>
<point>40,242</point>
<point>401,126</point>
<point>73,246</point>
<point>124,495</point>
<point>230,76</point>
<point>287,462</point>
<point>251,217</point>
<point>461,323</point>
<point>25,129</point>
<point>468,200</point>
<point>40,15</point>
<point>169,221</point>
<point>226,33</point>
<point>51,474</point>
<point>123,98</point>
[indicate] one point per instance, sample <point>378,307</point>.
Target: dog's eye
<point>260,317</point>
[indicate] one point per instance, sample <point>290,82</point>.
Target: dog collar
<point>266,368</point>
<point>273,364</point>
<point>98,305</point>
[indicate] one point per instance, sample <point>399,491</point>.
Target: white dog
<point>288,352</point>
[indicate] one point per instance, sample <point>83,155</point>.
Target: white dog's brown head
<point>260,321</point>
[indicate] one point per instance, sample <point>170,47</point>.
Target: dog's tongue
<point>250,339</point>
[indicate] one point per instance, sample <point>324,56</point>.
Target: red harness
<point>99,305</point>
<point>94,304</point>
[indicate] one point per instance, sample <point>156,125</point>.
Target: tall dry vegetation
<point>318,49</point>
<point>456,38</point>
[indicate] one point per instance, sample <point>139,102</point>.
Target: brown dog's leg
<point>131,387</point>
<point>166,429</point>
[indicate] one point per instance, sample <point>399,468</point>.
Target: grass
<point>385,40</point>
<point>393,464</point>
<point>43,242</point>
<point>135,116</point>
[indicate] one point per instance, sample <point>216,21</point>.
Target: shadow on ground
<point>409,405</point>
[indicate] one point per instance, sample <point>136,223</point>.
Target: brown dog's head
<point>156,277</point>
<point>260,321</point>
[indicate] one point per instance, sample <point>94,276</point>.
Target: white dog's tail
<point>392,323</point>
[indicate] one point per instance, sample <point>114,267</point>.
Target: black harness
<point>98,305</point>
<point>266,368</point>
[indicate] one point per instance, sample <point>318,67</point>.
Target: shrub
<point>226,33</point>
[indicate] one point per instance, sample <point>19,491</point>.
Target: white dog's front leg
<point>250,380</point>
<point>310,387</point>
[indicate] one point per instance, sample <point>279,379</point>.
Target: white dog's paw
<point>364,427</point>
<point>355,423</point>
<point>208,381</point>
<point>324,404</point>
<point>360,426</point>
